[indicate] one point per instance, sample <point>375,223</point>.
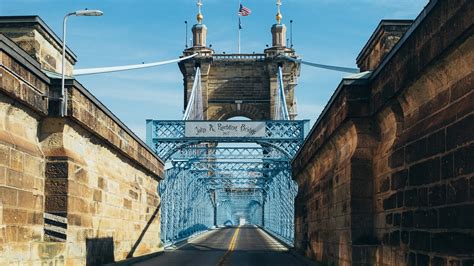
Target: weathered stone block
<point>438,261</point>
<point>460,133</point>
<point>420,240</point>
<point>3,176</point>
<point>390,202</point>
<point>426,219</point>
<point>33,165</point>
<point>397,219</point>
<point>78,205</point>
<point>14,216</point>
<point>56,170</point>
<point>463,159</point>
<point>395,238</point>
<point>453,242</point>
<point>447,166</point>
<point>411,259</point>
<point>423,197</point>
<point>425,172</point>
<point>9,196</point>
<point>456,217</point>
<point>35,218</point>
<point>102,183</point>
<point>422,259</point>
<point>468,262</point>
<point>29,233</point>
<point>458,191</point>
<point>127,203</point>
<point>416,151</point>
<point>4,155</point>
<point>405,237</point>
<point>14,178</point>
<point>28,200</point>
<point>48,250</point>
<point>56,186</point>
<point>411,198</point>
<point>471,188</point>
<point>80,175</point>
<point>16,160</point>
<point>407,219</point>
<point>56,204</point>
<point>436,143</point>
<point>399,179</point>
<point>76,189</point>
<point>437,195</point>
<point>11,233</point>
<point>97,196</point>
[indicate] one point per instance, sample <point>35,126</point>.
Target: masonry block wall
<point>75,190</point>
<point>406,160</point>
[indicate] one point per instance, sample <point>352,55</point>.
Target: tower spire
<point>199,16</point>
<point>279,16</point>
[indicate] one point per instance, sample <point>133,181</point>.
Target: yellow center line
<point>233,241</point>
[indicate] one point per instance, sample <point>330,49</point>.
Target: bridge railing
<point>239,57</point>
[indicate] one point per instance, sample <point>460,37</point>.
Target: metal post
<point>186,40</point>
<point>238,44</point>
<point>291,33</point>
<point>63,75</point>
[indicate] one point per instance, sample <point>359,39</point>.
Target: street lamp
<point>78,14</point>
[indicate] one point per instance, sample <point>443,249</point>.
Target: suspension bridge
<point>230,180</point>
<point>384,177</point>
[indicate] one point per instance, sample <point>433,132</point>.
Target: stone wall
<point>32,35</point>
<point>385,178</point>
<point>75,190</point>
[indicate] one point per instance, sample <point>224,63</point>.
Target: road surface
<point>235,246</point>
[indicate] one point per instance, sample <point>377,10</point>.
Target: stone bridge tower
<point>241,84</point>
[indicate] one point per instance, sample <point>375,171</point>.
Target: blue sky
<point>135,31</point>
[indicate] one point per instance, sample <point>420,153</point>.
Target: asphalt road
<point>237,246</point>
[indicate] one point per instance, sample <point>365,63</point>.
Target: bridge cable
<point>334,68</point>
<point>101,70</point>
<point>281,108</point>
<point>195,109</point>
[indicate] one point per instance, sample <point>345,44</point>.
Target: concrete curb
<point>134,260</point>
<point>292,250</point>
<point>137,259</point>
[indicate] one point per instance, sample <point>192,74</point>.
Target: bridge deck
<point>246,245</point>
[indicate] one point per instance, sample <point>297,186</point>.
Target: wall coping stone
<point>41,26</point>
<point>22,57</point>
<point>378,31</point>
<point>416,23</point>
<point>33,97</point>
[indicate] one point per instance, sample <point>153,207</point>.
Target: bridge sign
<point>218,129</point>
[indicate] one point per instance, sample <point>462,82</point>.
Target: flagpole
<point>239,39</point>
<point>239,26</point>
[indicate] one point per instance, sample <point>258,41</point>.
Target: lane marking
<point>233,241</point>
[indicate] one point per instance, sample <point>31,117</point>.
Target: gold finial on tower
<point>199,16</point>
<point>279,16</point>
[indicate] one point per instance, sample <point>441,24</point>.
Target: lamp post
<point>63,59</point>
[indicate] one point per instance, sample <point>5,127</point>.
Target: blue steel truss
<point>167,137</point>
<point>208,184</point>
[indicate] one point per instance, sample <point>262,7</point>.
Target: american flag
<point>244,11</point>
